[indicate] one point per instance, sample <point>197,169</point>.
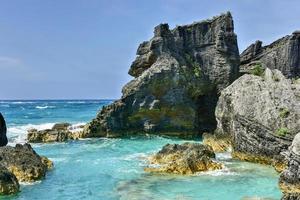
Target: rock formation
<point>290,178</point>
<point>178,75</point>
<point>3,138</point>
<point>8,182</point>
<point>283,54</point>
<point>24,162</point>
<point>60,132</point>
<point>187,158</point>
<point>218,142</point>
<point>261,114</point>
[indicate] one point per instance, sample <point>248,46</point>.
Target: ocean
<point>112,169</point>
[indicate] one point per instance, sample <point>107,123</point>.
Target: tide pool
<point>112,169</point>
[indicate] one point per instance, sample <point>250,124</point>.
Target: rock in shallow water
<point>187,158</point>
<point>261,114</point>
<point>178,76</point>
<point>24,162</point>
<point>8,182</point>
<point>3,138</point>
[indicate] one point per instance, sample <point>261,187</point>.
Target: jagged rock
<point>283,54</point>
<point>289,181</point>
<point>178,76</point>
<point>187,158</point>
<point>262,115</point>
<point>3,138</point>
<point>60,132</point>
<point>8,182</point>
<point>24,162</point>
<point>218,142</point>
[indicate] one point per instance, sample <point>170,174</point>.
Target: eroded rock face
<point>8,182</point>
<point>187,158</point>
<point>3,138</point>
<point>178,75</point>
<point>289,181</point>
<point>261,114</point>
<point>283,54</point>
<point>24,162</point>
<point>60,132</point>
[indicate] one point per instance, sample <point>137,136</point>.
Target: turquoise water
<point>111,169</point>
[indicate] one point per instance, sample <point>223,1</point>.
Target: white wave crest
<point>44,107</point>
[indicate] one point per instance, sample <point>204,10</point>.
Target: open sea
<point>112,169</point>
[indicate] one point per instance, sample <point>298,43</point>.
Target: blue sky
<point>82,49</point>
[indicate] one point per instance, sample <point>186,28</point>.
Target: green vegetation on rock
<point>282,131</point>
<point>258,70</point>
<point>283,112</point>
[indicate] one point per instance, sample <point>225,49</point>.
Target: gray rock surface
<point>289,181</point>
<point>8,182</point>
<point>3,138</point>
<point>261,114</point>
<point>178,76</point>
<point>24,162</point>
<point>283,54</point>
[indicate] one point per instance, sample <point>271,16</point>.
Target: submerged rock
<point>3,138</point>
<point>24,162</point>
<point>60,132</point>
<point>283,54</point>
<point>289,181</point>
<point>187,158</point>
<point>178,76</point>
<point>8,182</point>
<point>262,115</point>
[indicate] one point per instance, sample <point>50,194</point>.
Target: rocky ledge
<point>8,182</point>
<point>178,76</point>
<point>290,178</point>
<point>283,54</point>
<point>187,158</point>
<point>3,138</point>
<point>60,132</point>
<point>261,115</point>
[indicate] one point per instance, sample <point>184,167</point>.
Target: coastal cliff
<point>178,75</point>
<point>283,54</point>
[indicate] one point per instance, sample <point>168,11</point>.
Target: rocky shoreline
<point>190,82</point>
<point>19,164</point>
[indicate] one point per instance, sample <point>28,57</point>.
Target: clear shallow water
<point>111,169</point>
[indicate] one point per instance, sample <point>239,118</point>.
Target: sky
<point>82,49</point>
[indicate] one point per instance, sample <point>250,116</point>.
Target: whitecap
<point>30,183</point>
<point>44,107</point>
<point>76,127</point>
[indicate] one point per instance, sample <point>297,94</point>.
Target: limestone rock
<point>261,114</point>
<point>60,132</point>
<point>3,138</point>
<point>8,182</point>
<point>178,76</point>
<point>24,162</point>
<point>289,181</point>
<point>283,54</point>
<point>187,158</point>
<point>219,143</point>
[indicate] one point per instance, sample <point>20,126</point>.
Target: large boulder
<point>283,54</point>
<point>24,162</point>
<point>3,138</point>
<point>178,76</point>
<point>261,115</point>
<point>8,182</point>
<point>187,158</point>
<point>289,181</point>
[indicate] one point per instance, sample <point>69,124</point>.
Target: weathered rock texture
<point>283,54</point>
<point>8,182</point>
<point>290,178</point>
<point>24,162</point>
<point>3,138</point>
<point>60,132</point>
<point>178,75</point>
<point>187,158</point>
<point>261,114</point>
<point>218,142</point>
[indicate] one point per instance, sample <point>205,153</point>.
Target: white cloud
<point>6,61</point>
